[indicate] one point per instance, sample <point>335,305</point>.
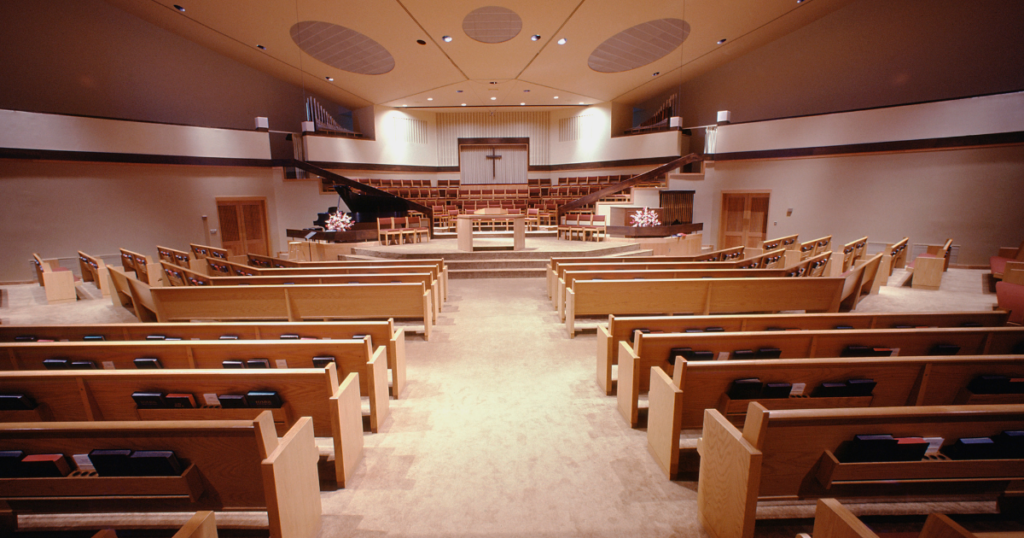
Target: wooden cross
<point>494,162</point>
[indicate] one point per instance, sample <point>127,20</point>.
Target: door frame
<point>266,216</point>
<point>721,209</point>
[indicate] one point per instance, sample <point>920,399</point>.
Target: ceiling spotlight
<point>179,8</point>
<point>720,41</point>
<point>329,79</point>
<point>562,41</point>
<point>556,97</point>
<point>447,39</point>
<point>535,37</point>
<point>421,42</point>
<point>261,47</point>
<point>656,73</point>
<point>522,104</point>
<point>430,98</point>
<point>405,105</point>
<point>526,91</point>
<point>799,1</point>
<point>582,103</point>
<point>494,98</point>
<point>463,104</point>
<point>458,91</point>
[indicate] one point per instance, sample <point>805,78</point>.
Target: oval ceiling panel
<point>492,24</point>
<point>639,45</point>
<point>342,48</point>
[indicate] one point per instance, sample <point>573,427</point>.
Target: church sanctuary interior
<point>469,268</point>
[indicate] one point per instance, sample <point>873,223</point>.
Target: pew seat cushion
<point>998,264</point>
<point>1011,298</point>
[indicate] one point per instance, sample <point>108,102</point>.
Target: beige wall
<point>971,195</point>
<point>58,208</point>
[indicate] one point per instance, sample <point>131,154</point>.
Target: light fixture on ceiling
<point>656,73</point>
<point>556,97</point>
<point>261,47</point>
<point>526,91</point>
<point>179,8</point>
<point>403,106</point>
<point>463,104</point>
<point>535,37</point>
<point>562,41</point>
<point>494,98</point>
<point>582,103</point>
<point>421,42</point>
<point>458,91</point>
<point>522,104</point>
<point>430,98</point>
<point>329,79</point>
<point>799,1</point>
<point>720,41</point>
<point>446,39</point>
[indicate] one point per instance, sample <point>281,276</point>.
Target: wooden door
<point>744,219</point>
<point>243,226</point>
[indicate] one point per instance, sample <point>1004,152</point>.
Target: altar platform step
<point>537,248</point>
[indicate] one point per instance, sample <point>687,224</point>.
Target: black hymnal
<point>714,330</point>
<point>944,349</point>
<point>263,399</point>
<point>903,327</point>
<point>16,402</point>
<point>322,362</point>
<point>910,448</point>
<point>25,338</point>
<point>676,352</point>
<point>972,448</point>
<point>1016,385</point>
<point>989,384</point>
<point>857,351</point>
<point>1018,349</point>
<point>776,390</point>
<point>82,365</point>
<point>693,330</point>
<point>745,389</point>
<point>10,463</point>
<point>232,401</point>
<point>93,338</point>
<point>860,387</point>
<point>229,337</point>
<point>147,363</point>
<point>154,463</point>
<point>55,364</point>
<point>257,363</point>
<point>769,353</point>
<point>45,466</point>
<point>173,339</point>
<point>232,364</point>
<point>844,327</point>
<point>289,337</point>
<point>632,335</point>
<point>699,355</point>
<point>971,324</point>
<point>1011,444</point>
<point>743,354</point>
<point>774,329</point>
<point>830,389</point>
<point>180,401</point>
<point>148,400</point>
<point>156,337</point>
<point>870,448</point>
<point>111,462</point>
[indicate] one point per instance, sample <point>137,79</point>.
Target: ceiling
<point>515,71</point>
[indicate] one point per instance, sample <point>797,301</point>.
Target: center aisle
<point>502,430</point>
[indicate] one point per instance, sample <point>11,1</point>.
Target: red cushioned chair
<point>1011,299</point>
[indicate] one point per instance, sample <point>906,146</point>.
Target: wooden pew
<point>231,465</point>
<point>650,350</point>
<point>700,297</point>
<point>144,268</point>
<point>94,270</point>
<point>201,252</point>
<point>58,282</point>
<point>853,251</point>
<point>815,247</point>
<point>898,254</point>
<point>860,281</point>
<point>100,395</point>
<point>621,328</point>
<point>176,257</point>
<point>678,402</point>
<point>202,524</point>
<point>381,333</point>
<point>790,454</point>
<point>833,520</point>
<point>1006,256</point>
<point>788,242</point>
<point>180,276</point>
<point>927,268</point>
<point>569,277</point>
<point>351,356</point>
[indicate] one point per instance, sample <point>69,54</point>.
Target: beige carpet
<point>502,430</point>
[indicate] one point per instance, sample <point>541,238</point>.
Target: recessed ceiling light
<point>656,73</point>
<point>493,82</point>
<point>535,37</point>
<point>329,79</point>
<point>430,98</point>
<point>720,41</point>
<point>447,39</point>
<point>494,98</point>
<point>522,104</point>
<point>562,41</point>
<point>582,103</point>
<point>526,91</point>
<point>421,42</point>
<point>556,97</point>
<point>463,104</point>
<point>179,8</point>
<point>458,91</point>
<point>405,105</point>
<point>799,1</point>
<point>261,47</point>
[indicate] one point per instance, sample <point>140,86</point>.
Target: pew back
<point>853,251</point>
<point>94,270</point>
<point>174,257</point>
<point>788,242</point>
<point>200,252</point>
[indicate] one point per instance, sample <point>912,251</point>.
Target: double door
<point>744,219</point>
<point>243,226</point>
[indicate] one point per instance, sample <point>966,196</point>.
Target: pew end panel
<point>291,484</point>
<point>201,525</point>
<point>120,293</point>
<point>377,389</point>
<point>833,520</point>
<point>629,385</point>
<point>145,304</point>
<point>730,474</point>
<point>347,425</point>
<point>606,357</point>
<point>663,425</point>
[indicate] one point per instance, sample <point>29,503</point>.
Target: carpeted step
<point>497,273</point>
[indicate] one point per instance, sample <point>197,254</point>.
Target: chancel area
<point>570,268</point>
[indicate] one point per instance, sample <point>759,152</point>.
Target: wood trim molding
<point>899,146</point>
<point>129,158</point>
<point>604,164</point>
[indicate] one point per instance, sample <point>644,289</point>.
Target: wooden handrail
<point>623,185</point>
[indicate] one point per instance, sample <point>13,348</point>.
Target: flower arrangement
<point>339,222</point>
<point>645,218</point>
